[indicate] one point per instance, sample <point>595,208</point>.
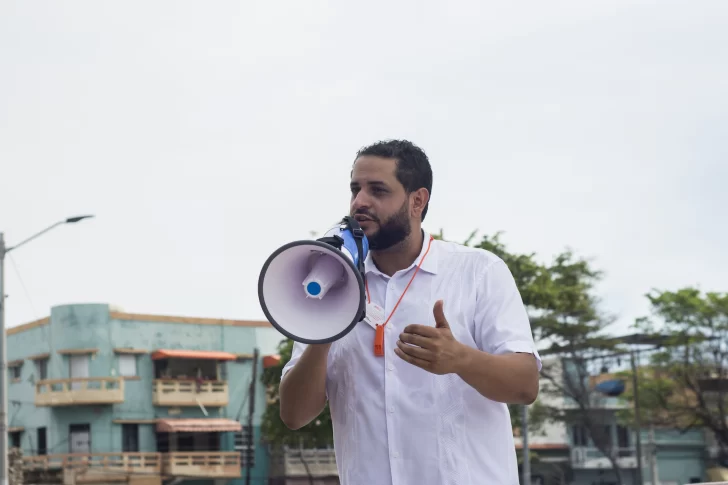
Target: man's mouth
<point>360,218</point>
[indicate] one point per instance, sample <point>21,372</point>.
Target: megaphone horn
<point>312,291</point>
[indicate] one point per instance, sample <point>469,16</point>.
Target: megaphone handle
<point>358,234</point>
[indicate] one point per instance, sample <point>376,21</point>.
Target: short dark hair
<point>413,167</point>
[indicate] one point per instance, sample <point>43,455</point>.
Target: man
<point>455,340</point>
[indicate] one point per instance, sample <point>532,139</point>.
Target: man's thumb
<point>440,321</point>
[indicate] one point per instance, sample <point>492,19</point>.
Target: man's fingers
<point>415,352</point>
<point>418,340</point>
<point>423,330</point>
<point>423,364</point>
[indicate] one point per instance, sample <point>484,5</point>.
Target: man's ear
<point>418,201</point>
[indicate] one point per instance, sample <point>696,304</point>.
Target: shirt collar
<point>429,265</point>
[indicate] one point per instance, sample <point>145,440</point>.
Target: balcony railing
<point>207,464</point>
<point>105,467</point>
<point>588,457</point>
<point>173,392</point>
<point>80,390</point>
<point>302,463</point>
<point>122,462</point>
<point>94,468</point>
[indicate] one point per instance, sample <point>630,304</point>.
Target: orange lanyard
<point>379,332</point>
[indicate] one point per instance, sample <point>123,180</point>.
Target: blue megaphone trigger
<point>349,236</point>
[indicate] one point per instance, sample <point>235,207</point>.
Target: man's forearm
<point>302,391</point>
<point>509,378</point>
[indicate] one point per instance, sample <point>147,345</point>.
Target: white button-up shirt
<point>397,424</point>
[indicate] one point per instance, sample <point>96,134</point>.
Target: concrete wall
<point>91,326</point>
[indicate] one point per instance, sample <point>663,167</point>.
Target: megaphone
<point>312,291</point>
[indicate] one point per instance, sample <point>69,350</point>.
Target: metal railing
<point>590,457</point>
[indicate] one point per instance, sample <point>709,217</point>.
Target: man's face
<point>379,202</point>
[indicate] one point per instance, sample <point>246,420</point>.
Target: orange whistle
<point>379,341</point>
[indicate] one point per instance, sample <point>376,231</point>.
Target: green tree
<point>564,313</point>
<point>569,319</point>
<point>685,382</point>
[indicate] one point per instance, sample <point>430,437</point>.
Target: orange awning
<point>271,361</point>
<point>192,354</point>
<point>201,425</point>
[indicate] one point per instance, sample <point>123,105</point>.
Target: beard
<point>392,231</point>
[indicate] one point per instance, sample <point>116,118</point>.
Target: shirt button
<point>390,367</point>
<point>391,409</point>
<point>395,455</point>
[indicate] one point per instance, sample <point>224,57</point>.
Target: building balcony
<point>179,393</point>
<point>94,468</point>
<point>295,463</point>
<point>583,457</point>
<point>78,391</point>
<point>202,464</point>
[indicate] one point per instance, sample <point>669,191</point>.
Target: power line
<point>22,284</point>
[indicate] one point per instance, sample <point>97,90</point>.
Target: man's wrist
<point>467,358</point>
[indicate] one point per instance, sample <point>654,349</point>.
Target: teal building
<point>100,395</point>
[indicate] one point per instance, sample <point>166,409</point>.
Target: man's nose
<point>361,201</point>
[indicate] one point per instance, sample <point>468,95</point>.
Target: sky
<point>204,135</point>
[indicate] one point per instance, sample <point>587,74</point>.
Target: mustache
<point>365,214</point>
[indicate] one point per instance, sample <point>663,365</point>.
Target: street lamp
<point>3,344</point>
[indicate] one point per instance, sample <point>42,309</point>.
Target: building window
<point>15,372</point>
<point>579,437</point>
<point>130,438</point>
<point>42,441</point>
<point>608,436</point>
<point>127,365</point>
<point>14,439</point>
<point>41,368</point>
<point>622,437</point>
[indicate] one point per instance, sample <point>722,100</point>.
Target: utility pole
<point>654,473</point>
<point>251,411</point>
<point>524,438</point>
<point>3,372</point>
<point>3,345</point>
<point>638,427</point>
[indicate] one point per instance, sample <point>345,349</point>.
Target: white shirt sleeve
<point>501,321</point>
<point>298,349</point>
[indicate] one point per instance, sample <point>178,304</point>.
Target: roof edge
<point>28,326</point>
<point>142,317</point>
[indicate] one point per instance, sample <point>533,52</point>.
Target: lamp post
<point>3,344</point>
<point>526,452</point>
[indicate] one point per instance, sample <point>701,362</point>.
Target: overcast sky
<point>203,135</point>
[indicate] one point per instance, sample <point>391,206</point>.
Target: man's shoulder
<point>482,259</point>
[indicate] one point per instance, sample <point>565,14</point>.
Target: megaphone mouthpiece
<point>325,273</point>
